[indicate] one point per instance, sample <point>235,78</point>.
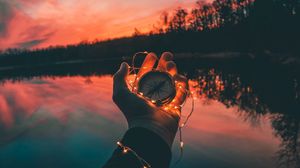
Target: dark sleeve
<point>147,145</point>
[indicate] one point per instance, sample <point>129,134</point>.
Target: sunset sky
<point>40,23</point>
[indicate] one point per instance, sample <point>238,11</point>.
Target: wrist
<point>167,134</point>
<point>147,144</point>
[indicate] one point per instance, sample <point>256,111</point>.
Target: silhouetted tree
<point>203,17</point>
<point>136,32</point>
<point>179,21</point>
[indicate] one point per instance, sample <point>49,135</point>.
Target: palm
<point>137,109</point>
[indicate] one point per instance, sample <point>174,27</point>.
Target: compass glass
<point>157,86</point>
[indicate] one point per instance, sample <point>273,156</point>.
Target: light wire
<point>181,126</point>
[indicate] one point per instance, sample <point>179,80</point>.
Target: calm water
<point>71,121</point>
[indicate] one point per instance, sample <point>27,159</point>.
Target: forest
<point>245,26</point>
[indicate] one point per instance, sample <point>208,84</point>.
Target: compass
<point>157,86</point>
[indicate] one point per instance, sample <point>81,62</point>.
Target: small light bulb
<point>119,143</point>
<point>182,125</point>
<point>125,150</point>
<point>181,144</point>
<point>153,101</point>
<point>141,93</point>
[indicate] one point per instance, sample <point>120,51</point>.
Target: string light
<point>183,124</point>
<point>181,144</point>
<point>170,107</point>
<point>126,149</point>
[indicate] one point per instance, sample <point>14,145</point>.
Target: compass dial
<point>157,86</point>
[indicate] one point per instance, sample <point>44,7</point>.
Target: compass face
<point>157,86</point>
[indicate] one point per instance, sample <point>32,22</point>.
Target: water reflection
<point>77,110</point>
<point>287,127</point>
<point>229,90</point>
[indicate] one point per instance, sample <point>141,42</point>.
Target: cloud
<point>19,29</point>
<point>31,43</point>
<point>34,36</point>
<point>6,14</point>
<point>25,23</point>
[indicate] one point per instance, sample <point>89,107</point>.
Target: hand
<point>138,111</point>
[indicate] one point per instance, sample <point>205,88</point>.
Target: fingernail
<point>168,56</point>
<point>123,65</point>
<point>170,65</point>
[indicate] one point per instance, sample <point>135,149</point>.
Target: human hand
<point>140,112</point>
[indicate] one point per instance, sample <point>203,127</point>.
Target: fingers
<point>171,68</point>
<point>181,90</point>
<point>147,65</point>
<point>129,103</point>
<point>119,81</point>
<point>162,63</point>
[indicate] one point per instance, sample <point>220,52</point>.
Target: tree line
<point>224,25</point>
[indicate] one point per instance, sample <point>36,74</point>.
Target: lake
<point>66,118</point>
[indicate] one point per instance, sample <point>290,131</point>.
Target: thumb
<point>119,78</point>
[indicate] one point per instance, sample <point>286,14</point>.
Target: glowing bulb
<point>166,108</point>
<point>119,143</point>
<point>141,93</point>
<point>125,150</point>
<point>181,144</point>
<point>182,125</point>
<point>176,107</point>
<point>153,101</point>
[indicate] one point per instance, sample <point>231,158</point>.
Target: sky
<point>41,23</point>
